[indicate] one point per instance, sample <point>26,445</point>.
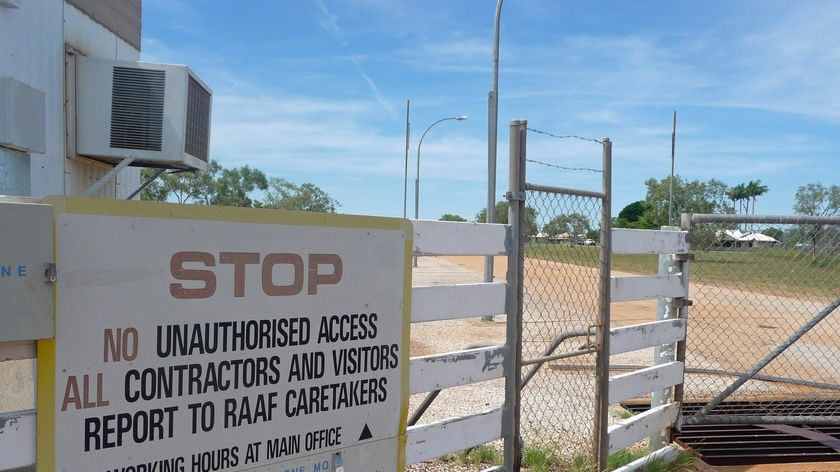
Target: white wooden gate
<point>437,372</point>
<point>666,334</point>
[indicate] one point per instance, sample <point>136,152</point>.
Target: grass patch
<point>539,459</point>
<point>483,454</point>
<point>543,459</point>
<point>776,270</point>
<point>682,463</point>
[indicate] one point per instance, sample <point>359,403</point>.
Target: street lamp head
<point>462,117</point>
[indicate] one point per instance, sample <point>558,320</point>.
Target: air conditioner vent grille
<point>197,139</point>
<point>137,105</point>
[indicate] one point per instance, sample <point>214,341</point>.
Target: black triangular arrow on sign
<point>366,434</point>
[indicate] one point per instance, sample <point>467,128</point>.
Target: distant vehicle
<point>589,242</point>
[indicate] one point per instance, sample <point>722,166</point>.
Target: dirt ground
<point>753,323</point>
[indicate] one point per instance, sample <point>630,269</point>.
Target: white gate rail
<point>446,302</point>
<point>18,432</point>
<point>665,373</point>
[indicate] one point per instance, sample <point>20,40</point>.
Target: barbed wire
<point>564,167</point>
<point>568,136</point>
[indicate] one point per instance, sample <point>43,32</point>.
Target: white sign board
<point>194,345</point>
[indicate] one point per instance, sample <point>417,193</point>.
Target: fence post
<point>602,364</point>
<point>515,273</point>
<point>665,310</point>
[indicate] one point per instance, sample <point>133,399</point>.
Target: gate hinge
<point>515,197</point>
<point>684,257</point>
<point>678,303</point>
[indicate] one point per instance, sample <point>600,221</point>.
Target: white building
<point>58,112</point>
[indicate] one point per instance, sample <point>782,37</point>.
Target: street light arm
<point>459,118</point>
<point>420,143</point>
<point>496,46</point>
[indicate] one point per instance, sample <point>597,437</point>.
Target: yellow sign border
<point>45,402</point>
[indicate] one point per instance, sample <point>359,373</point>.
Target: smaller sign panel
<point>26,256</point>
<point>196,345</point>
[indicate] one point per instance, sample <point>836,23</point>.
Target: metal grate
<point>197,140</point>
<point>748,444</point>
<point>137,98</point>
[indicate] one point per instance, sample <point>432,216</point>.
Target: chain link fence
<point>560,311</point>
<point>759,288</point>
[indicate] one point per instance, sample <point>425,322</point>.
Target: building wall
<point>33,40</point>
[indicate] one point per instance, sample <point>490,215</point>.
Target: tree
<point>234,186</point>
<point>775,233</point>
<point>693,196</point>
<point>633,211</point>
<point>284,195</point>
<point>636,216</point>
<point>501,214</point>
<point>738,194</point>
<point>817,200</point>
<point>183,186</point>
<point>575,225</point>
<point>451,217</point>
<point>755,189</point>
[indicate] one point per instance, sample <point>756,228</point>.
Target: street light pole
<point>417,179</point>
<point>492,138</point>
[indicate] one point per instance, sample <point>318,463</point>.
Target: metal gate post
<point>666,309</point>
<point>602,364</point>
<point>515,273</point>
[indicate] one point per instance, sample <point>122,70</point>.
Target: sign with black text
<point>258,340</point>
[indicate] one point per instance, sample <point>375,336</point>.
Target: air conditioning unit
<point>158,114</point>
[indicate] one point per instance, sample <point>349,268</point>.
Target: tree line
<point>241,187</point>
<point>248,187</point>
<point>685,196</point>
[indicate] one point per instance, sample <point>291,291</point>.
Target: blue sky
<point>316,91</point>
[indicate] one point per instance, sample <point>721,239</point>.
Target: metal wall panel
<point>121,17</point>
<point>26,250</point>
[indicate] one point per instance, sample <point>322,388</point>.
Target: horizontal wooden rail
<point>645,287</point>
<point>16,350</point>
<point>433,440</point>
<point>448,302</point>
<point>452,369</point>
<point>17,440</point>
<point>453,238</point>
<point>643,381</point>
<point>666,455</point>
<point>634,429</point>
<point>644,335</point>
<point>645,241</point>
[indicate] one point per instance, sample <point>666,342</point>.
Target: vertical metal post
<point>492,138</point>
<point>666,309</point>
<point>602,363</point>
<point>671,181</point>
<point>407,132</point>
<point>679,390</point>
<point>515,277</point>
